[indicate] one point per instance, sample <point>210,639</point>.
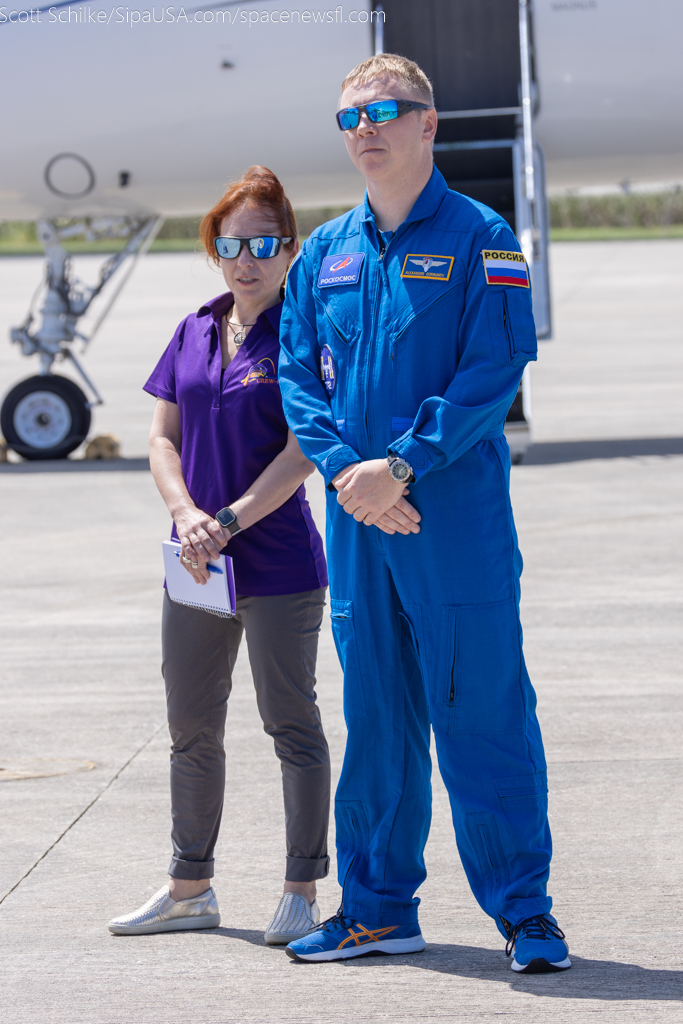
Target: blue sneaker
<point>339,938</point>
<point>539,946</point>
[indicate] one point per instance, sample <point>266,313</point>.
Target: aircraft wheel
<point>45,417</point>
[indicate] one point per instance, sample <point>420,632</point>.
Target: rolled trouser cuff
<point>305,869</point>
<point>191,870</point>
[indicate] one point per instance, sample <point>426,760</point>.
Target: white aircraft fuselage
<point>158,109</point>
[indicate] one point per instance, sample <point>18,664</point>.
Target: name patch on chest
<point>508,268</point>
<point>426,267</point>
<point>328,371</point>
<point>344,268</point>
<point>262,372</point>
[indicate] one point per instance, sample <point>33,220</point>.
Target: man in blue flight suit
<point>406,328</point>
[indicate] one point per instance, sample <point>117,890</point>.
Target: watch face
<point>400,470</point>
<point>225,517</point>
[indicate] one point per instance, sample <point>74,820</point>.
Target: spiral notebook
<point>216,596</point>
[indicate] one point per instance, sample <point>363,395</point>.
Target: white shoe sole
<point>415,944</point>
<point>541,966</point>
<point>177,924</point>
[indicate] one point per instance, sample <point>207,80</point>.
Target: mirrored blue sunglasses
<point>264,247</point>
<point>378,112</point>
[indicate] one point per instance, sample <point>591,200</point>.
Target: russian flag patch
<point>507,268</point>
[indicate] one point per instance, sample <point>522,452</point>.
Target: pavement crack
<point>85,810</point>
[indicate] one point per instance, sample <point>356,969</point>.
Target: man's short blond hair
<point>405,71</point>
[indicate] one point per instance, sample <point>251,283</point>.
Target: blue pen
<point>211,568</point>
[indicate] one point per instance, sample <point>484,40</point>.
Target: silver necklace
<point>238,336</point>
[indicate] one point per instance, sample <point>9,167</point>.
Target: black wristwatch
<point>228,520</point>
<point>400,470</point>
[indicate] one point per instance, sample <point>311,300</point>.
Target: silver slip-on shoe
<point>162,914</point>
<point>294,918</point>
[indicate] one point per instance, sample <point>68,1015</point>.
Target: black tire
<point>45,417</point>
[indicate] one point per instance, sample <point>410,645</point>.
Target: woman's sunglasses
<point>263,247</point>
<point>378,112</point>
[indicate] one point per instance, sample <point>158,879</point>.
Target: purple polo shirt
<point>232,427</point>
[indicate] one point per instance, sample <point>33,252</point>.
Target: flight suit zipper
<point>373,335</point>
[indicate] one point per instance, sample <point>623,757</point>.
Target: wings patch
<point>427,267</point>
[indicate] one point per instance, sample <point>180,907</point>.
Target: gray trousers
<point>198,656</point>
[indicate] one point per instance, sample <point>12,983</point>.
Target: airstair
<point>479,56</point>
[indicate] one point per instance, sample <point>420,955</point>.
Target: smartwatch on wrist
<point>228,520</point>
<point>400,470</point>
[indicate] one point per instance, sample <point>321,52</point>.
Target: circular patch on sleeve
<point>328,371</point>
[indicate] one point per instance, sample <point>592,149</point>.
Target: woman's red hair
<point>259,186</point>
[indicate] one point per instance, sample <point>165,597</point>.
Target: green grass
<point>12,247</point>
<point>625,234</point>
<point>19,238</point>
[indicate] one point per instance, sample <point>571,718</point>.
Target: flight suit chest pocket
<point>344,633</point>
<point>341,319</point>
<point>511,326</point>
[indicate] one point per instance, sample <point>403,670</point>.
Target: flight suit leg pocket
<point>486,689</point>
<point>344,633</point>
<point>524,799</point>
<point>436,643</point>
<point>483,833</point>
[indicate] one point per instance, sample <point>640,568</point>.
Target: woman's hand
<point>201,539</point>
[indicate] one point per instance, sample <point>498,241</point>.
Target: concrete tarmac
<point>598,508</point>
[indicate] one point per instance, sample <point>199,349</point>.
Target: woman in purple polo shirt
<point>219,439</point>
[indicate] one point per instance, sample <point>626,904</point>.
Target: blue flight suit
<point>427,626</point>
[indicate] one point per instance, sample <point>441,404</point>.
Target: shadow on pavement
<point>255,938</point>
<point>588,979</point>
<point>77,466</point>
<point>547,453</point>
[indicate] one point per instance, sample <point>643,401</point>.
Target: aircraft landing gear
<point>48,416</point>
<point>45,417</point>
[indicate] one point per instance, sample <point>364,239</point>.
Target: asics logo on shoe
<point>364,935</point>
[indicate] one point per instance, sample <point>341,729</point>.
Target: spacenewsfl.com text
<point>87,15</point>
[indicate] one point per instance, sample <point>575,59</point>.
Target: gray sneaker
<point>163,914</point>
<point>294,918</point>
